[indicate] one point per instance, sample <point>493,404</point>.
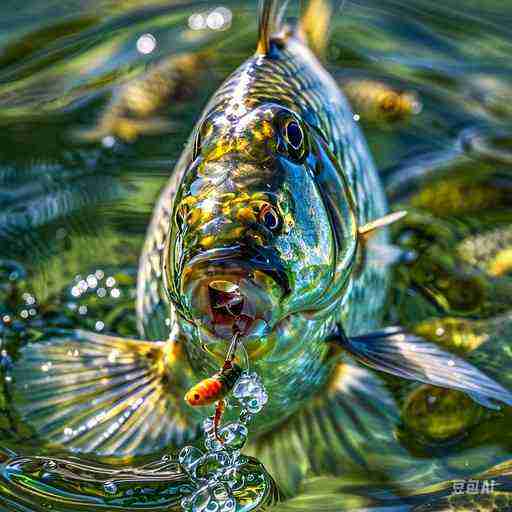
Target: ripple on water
<point>214,479</point>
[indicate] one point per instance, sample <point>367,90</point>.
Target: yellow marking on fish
<point>245,214</point>
<point>188,201</point>
<point>207,241</point>
<point>172,352</point>
<point>227,196</point>
<point>264,131</point>
<point>236,232</point>
<point>288,221</point>
<point>194,216</point>
<point>260,195</point>
<point>243,196</point>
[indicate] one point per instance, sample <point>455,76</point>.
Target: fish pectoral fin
<point>366,231</point>
<point>394,351</point>
<point>342,430</point>
<point>92,393</point>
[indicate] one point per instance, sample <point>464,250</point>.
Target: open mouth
<point>231,290</point>
<point>227,303</point>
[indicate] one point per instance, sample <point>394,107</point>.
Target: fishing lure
<point>215,388</point>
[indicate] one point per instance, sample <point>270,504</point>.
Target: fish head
<point>252,240</point>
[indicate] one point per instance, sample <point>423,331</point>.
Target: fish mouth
<point>230,291</point>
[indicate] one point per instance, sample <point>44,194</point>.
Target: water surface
<point>74,211</point>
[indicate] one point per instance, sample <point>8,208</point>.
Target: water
<point>214,478</point>
<point>215,472</point>
<point>76,204</point>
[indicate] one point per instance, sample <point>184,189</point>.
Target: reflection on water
<point>70,484</point>
<point>86,146</point>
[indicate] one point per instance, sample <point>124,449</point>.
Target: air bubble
<point>218,467</point>
<point>189,457</point>
<point>234,435</point>
<point>250,392</point>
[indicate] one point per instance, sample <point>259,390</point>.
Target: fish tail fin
<point>314,25</point>
<point>91,393</point>
<point>405,355</point>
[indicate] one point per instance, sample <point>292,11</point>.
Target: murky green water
<point>74,210</point>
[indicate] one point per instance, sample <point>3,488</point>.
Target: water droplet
<point>110,487</point>
<point>146,43</point>
<point>186,503</point>
<point>92,281</point>
<point>201,499</point>
<point>189,457</point>
<point>234,435</point>
<point>250,393</point>
<point>115,293</point>
<point>212,444</point>
<point>245,417</point>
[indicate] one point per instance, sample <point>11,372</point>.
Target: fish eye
<point>293,138</point>
<point>269,217</point>
<point>294,135</point>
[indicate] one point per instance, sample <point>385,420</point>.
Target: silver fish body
<point>296,364</point>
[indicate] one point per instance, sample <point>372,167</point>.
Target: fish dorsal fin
<point>314,24</point>
<point>269,13</point>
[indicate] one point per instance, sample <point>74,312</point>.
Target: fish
<point>134,107</point>
<point>377,102</point>
<point>262,230</point>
